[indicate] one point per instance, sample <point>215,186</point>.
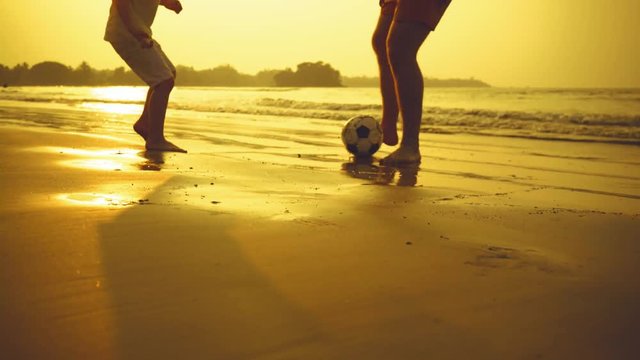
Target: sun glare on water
<point>123,100</point>
<point>119,93</point>
<point>121,109</point>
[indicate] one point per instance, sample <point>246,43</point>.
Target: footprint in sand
<point>495,257</point>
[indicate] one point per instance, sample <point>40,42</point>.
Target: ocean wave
<point>540,125</point>
<point>614,128</point>
<point>310,105</point>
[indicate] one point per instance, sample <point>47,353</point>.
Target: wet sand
<point>495,248</point>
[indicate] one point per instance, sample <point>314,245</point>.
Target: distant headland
<point>307,74</point>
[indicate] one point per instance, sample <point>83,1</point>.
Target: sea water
<point>594,115</point>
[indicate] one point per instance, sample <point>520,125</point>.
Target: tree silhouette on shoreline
<point>307,74</point>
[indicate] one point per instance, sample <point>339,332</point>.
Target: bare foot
<point>141,128</point>
<point>389,132</point>
<point>163,145</point>
<point>402,156</point>
<point>408,174</point>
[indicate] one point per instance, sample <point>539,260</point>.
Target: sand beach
<point>266,241</point>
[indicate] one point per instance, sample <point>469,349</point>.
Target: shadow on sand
<point>181,287</point>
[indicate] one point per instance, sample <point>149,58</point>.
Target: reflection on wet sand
<point>109,159</point>
<point>363,168</point>
<point>110,165</point>
<point>95,159</point>
<point>93,199</point>
<point>154,160</point>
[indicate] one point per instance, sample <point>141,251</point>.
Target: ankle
<point>156,139</point>
<point>410,146</point>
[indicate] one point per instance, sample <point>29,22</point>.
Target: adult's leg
<point>142,125</point>
<point>387,88</point>
<point>158,110</point>
<point>403,43</point>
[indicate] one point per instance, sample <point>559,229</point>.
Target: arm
<point>124,10</point>
<point>172,5</point>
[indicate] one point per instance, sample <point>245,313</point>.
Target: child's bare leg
<point>403,43</point>
<point>142,125</point>
<point>158,110</point>
<point>387,87</point>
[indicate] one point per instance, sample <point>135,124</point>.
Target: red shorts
<point>426,11</point>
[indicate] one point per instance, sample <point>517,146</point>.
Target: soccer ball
<point>362,136</point>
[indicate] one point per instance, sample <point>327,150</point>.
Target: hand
<point>174,5</point>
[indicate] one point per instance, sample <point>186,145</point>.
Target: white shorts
<point>150,64</point>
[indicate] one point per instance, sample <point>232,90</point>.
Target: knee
<point>404,42</point>
<point>166,85</point>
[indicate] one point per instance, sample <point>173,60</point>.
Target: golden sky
<point>567,43</point>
